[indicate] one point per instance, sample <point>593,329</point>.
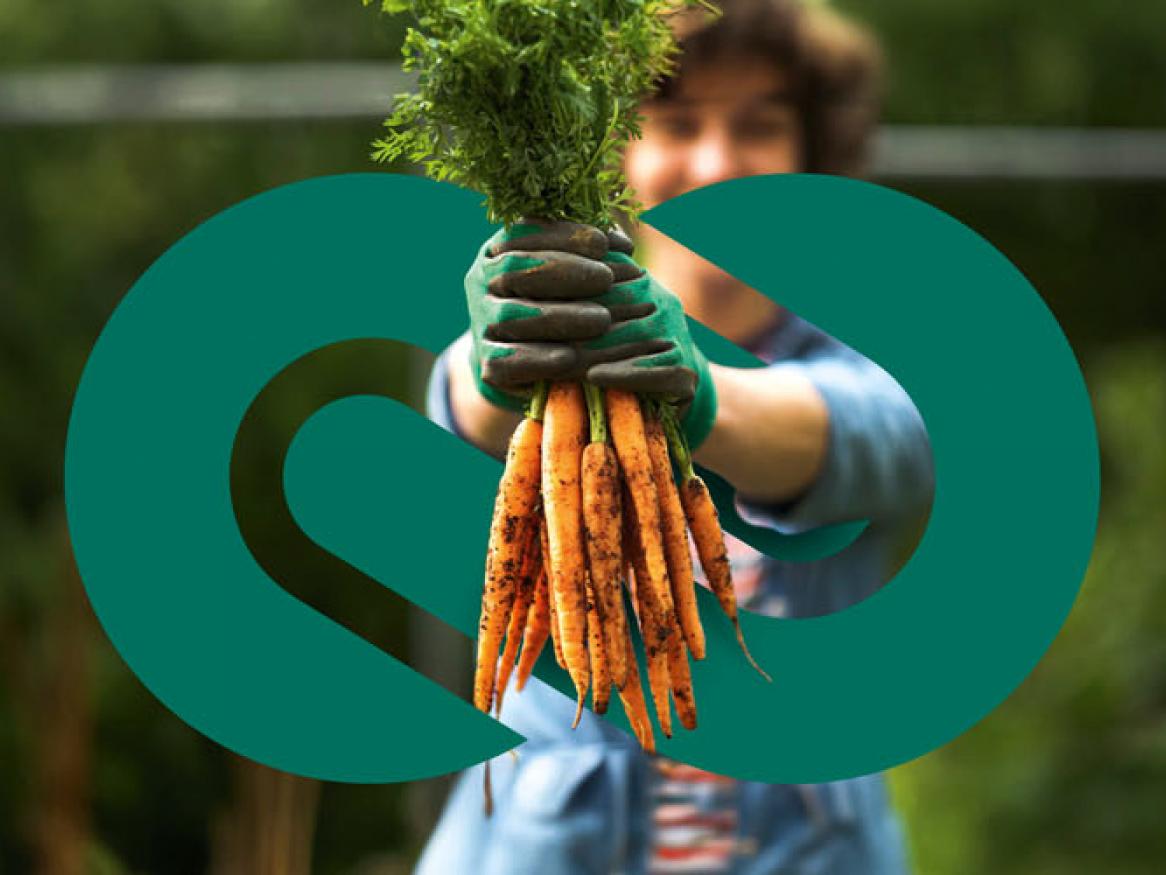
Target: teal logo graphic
<point>270,280</point>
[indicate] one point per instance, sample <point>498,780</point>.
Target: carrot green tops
<point>530,102</point>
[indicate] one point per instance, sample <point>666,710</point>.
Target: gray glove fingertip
<point>526,363</point>
<point>673,382</point>
<point>562,322</point>
<point>585,241</point>
<point>619,241</point>
<point>623,268</point>
<point>633,350</point>
<point>560,276</point>
<point>628,312</point>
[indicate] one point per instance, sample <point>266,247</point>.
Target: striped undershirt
<point>694,812</point>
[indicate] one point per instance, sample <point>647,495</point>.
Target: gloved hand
<point>647,349</point>
<point>531,295</point>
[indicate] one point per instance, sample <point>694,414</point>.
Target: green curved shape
<point>1016,463</point>
<point>147,474</point>
<point>264,283</point>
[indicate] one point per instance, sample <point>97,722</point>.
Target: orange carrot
<point>663,643</point>
<point>538,628</point>
<point>631,446</point>
<point>556,635</point>
<point>675,534</point>
<point>602,518</point>
<point>512,526</point>
<point>564,435</point>
<point>706,530</point>
<point>597,650</point>
<point>653,631</point>
<point>680,680</point>
<point>714,559</point>
<point>628,576</point>
<point>632,696</point>
<point>524,596</point>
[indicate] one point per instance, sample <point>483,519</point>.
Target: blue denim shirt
<point>578,802</point>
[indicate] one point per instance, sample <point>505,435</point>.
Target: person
<point>822,434</point>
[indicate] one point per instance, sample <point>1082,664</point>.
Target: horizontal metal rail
<point>1020,152</point>
<point>197,92</point>
<point>104,94</point>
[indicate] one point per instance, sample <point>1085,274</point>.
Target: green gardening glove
<point>531,294</point>
<point>647,348</point>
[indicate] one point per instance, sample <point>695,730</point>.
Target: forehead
<point>727,82</point>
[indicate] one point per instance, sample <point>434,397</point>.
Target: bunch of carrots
<point>589,504</point>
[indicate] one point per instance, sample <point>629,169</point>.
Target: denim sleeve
<point>878,462</point>
<point>437,404</point>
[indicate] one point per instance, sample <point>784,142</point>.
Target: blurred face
<point>726,120</point>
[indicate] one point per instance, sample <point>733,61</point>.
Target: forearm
<point>769,438</point>
<point>486,426</point>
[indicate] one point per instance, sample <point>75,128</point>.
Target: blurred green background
<point>1068,776</point>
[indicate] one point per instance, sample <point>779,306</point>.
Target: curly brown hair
<point>834,70</point>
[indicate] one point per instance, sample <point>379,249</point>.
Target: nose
<point>714,158</point>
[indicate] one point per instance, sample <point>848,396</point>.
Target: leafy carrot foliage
<point>530,102</point>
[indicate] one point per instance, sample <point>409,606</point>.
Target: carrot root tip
<point>749,656</point>
<point>488,791</point>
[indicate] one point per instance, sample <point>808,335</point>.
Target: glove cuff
<point>698,420</point>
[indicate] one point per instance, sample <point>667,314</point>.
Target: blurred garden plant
<point>1069,775</point>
